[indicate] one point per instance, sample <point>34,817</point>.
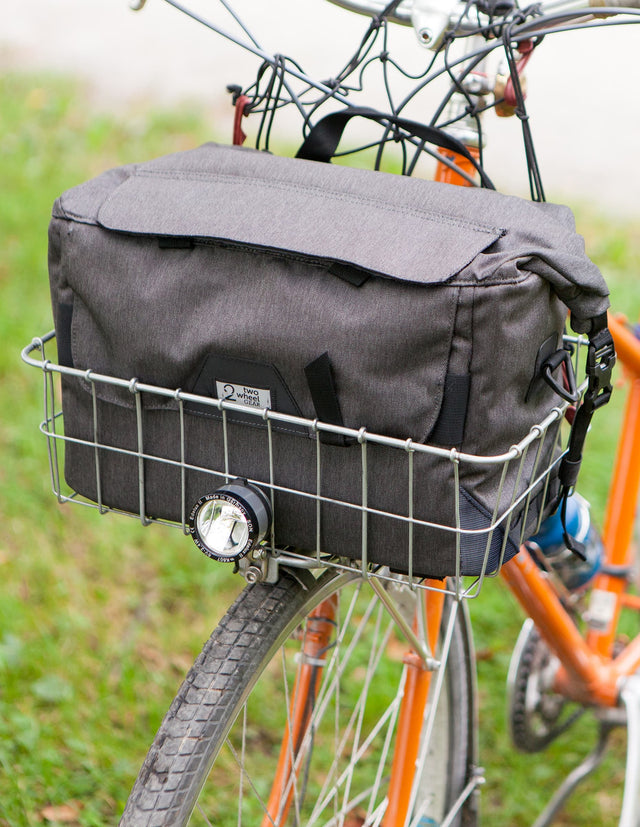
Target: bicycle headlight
<point>229,523</point>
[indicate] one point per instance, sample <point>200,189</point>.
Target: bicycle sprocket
<point>536,714</point>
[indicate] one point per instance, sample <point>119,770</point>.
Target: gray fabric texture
<point>459,282</point>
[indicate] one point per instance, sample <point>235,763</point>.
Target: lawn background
<point>100,618</point>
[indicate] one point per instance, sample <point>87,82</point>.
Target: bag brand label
<point>244,395</point>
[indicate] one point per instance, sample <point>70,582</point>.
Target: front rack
<point>523,473</point>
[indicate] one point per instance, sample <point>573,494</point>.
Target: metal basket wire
<point>512,498</point>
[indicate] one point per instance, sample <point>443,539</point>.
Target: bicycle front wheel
<point>292,714</point>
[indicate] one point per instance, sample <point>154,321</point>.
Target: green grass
<point>100,618</point>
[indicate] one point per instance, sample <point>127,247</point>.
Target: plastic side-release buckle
<point>601,357</point>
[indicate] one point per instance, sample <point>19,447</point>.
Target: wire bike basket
<point>525,471</point>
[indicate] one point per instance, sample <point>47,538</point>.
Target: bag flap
<point>405,228</point>
<point>308,209</point>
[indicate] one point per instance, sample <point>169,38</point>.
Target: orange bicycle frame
<point>318,633</point>
<point>589,673</point>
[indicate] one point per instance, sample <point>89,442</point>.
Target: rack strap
<point>601,358</point>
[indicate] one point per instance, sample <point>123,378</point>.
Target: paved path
<point>159,55</point>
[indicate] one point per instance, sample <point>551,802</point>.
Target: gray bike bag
<point>379,304</point>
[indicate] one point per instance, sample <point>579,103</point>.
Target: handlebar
<point>617,4</point>
<point>403,11</point>
<point>431,18</point>
<point>401,14</point>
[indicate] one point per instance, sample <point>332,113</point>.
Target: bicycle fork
<point>318,634</point>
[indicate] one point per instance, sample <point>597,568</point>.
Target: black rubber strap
<point>570,542</point>
<point>601,357</point>
<point>325,398</point>
<point>349,273</point>
<point>63,334</point>
<point>322,141</point>
<point>449,428</point>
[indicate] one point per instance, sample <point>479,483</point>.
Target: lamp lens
<point>222,528</point>
<point>227,524</point>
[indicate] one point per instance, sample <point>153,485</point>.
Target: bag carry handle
<point>322,141</point>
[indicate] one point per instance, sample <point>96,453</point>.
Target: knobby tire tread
<point>180,757</point>
<point>221,678</point>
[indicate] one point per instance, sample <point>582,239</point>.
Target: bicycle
<point>369,624</point>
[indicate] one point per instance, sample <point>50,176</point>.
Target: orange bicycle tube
<point>318,631</point>
<point>414,701</point>
<point>623,493</point>
<point>627,344</point>
<point>583,676</point>
<point>446,175</point>
<point>418,678</point>
<point>588,673</point>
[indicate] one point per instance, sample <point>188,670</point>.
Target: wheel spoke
<point>248,777</point>
<point>351,730</point>
<point>315,715</point>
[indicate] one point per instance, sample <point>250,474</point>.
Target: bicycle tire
<point>246,647</point>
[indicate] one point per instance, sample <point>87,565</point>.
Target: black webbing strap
<point>601,357</point>
<point>325,398</point>
<point>449,427</point>
<point>63,333</point>
<point>322,141</point>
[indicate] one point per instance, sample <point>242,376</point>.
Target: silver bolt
<point>253,574</point>
<point>426,36</point>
